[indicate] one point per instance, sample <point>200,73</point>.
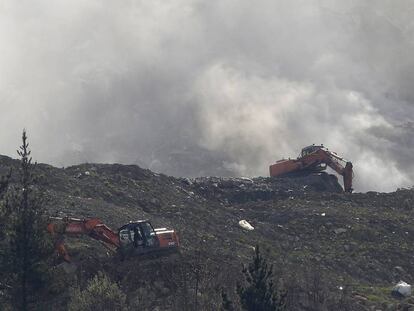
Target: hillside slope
<point>307,226</point>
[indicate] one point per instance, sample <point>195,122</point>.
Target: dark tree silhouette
<point>260,293</point>
<point>27,245</point>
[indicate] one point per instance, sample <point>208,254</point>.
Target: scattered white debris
<point>402,288</point>
<point>245,225</point>
<point>246,179</point>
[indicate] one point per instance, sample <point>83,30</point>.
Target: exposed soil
<point>361,241</point>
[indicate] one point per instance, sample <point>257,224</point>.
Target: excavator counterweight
<point>314,159</point>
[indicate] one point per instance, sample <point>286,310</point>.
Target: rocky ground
<point>347,248</point>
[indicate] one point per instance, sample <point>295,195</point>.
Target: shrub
<point>100,294</point>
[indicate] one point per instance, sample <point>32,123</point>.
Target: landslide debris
<point>361,242</point>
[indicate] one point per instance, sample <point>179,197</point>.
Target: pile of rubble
<point>241,190</point>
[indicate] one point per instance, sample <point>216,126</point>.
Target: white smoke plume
<point>191,87</point>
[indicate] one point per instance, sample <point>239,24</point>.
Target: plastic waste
<point>402,288</point>
<point>245,225</point>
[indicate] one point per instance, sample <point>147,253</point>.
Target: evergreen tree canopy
<point>260,294</point>
<point>25,245</point>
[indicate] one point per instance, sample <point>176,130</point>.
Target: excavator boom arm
<point>59,227</point>
<point>336,163</point>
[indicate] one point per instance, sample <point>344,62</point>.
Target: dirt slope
<point>360,241</point>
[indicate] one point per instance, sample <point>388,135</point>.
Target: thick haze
<point>226,87</point>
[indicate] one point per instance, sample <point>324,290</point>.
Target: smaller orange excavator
<point>134,238</point>
<point>314,159</point>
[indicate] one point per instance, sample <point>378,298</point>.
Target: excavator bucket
<point>348,177</point>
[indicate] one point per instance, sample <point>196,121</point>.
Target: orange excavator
<point>311,160</point>
<point>134,238</point>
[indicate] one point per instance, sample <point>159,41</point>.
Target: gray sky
<point>226,87</point>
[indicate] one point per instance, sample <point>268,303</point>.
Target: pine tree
<point>27,243</point>
<point>261,293</point>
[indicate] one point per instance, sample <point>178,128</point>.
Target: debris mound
<point>241,190</point>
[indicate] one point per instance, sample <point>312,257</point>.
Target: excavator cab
<point>309,149</point>
<point>137,237</point>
